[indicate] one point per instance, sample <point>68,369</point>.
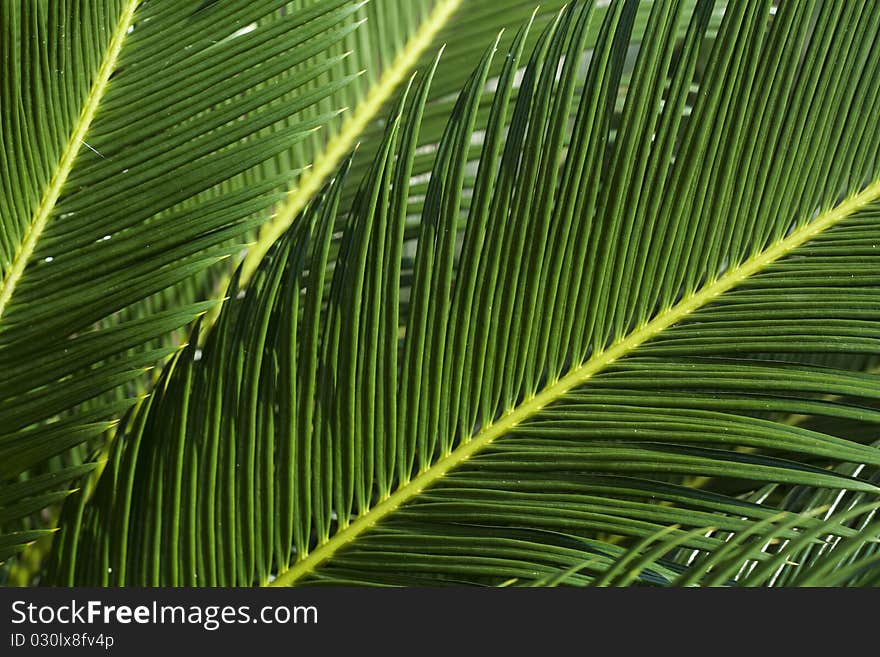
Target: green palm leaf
<point>371,61</point>
<point>398,37</point>
<point>115,116</point>
<point>771,553</point>
<point>636,298</point>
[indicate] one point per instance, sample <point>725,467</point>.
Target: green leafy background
<point>589,301</point>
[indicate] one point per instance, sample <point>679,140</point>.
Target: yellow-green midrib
<point>575,377</point>
<point>352,128</point>
<point>43,212</point>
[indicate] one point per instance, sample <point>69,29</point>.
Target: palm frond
<point>771,553</point>
<point>505,397</point>
<point>392,37</point>
<point>115,115</point>
<point>398,37</point>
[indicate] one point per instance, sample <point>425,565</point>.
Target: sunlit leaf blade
<point>507,397</point>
